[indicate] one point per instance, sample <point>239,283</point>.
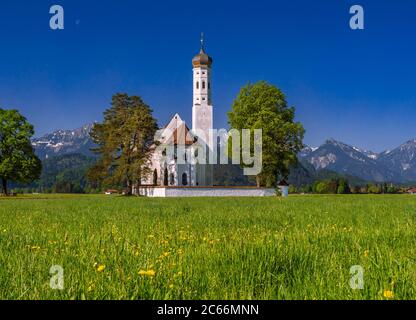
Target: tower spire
<point>202,41</point>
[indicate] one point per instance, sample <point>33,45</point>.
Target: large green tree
<point>263,106</point>
<point>18,161</point>
<point>124,142</point>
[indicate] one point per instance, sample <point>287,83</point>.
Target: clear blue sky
<point>355,86</point>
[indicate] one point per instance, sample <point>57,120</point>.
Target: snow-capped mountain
<point>64,142</point>
<point>307,151</point>
<point>402,160</point>
<point>345,159</point>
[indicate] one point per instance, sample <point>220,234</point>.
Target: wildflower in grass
<point>148,273</point>
<point>366,252</point>
<point>101,268</point>
<point>388,294</point>
<point>35,248</point>
<point>171,286</point>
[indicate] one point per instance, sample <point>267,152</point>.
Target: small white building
<point>284,188</point>
<point>412,191</point>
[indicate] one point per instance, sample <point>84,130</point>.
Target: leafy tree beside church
<point>18,162</point>
<point>124,141</point>
<point>263,106</point>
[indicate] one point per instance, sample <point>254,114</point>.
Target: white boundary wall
<point>206,192</point>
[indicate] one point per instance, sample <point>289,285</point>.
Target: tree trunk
<point>258,181</point>
<point>4,184</point>
<point>129,190</point>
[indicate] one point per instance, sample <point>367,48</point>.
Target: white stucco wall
<point>207,192</point>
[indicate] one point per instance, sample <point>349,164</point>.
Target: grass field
<point>302,247</point>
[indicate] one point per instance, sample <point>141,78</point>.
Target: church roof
<point>183,135</point>
<point>177,132</point>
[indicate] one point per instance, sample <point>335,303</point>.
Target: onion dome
<point>202,59</point>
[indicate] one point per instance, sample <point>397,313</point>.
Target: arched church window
<point>203,84</point>
<point>184,179</point>
<point>155,177</point>
<point>209,85</point>
<point>165,177</point>
<point>172,179</point>
<point>197,84</point>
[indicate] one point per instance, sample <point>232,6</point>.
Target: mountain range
<point>397,165</point>
<point>62,142</point>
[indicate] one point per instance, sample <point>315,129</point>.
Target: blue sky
<point>355,86</point>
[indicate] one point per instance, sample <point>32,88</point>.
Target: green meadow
<point>301,247</point>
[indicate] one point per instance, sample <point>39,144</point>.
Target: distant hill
<point>62,174</point>
<point>304,173</point>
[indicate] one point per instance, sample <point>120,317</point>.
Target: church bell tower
<point>202,114</point>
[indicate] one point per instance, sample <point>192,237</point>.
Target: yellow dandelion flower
<point>149,273</point>
<point>388,294</point>
<point>101,268</point>
<point>171,286</point>
<point>366,252</point>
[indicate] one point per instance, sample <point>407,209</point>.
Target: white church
<point>176,166</point>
